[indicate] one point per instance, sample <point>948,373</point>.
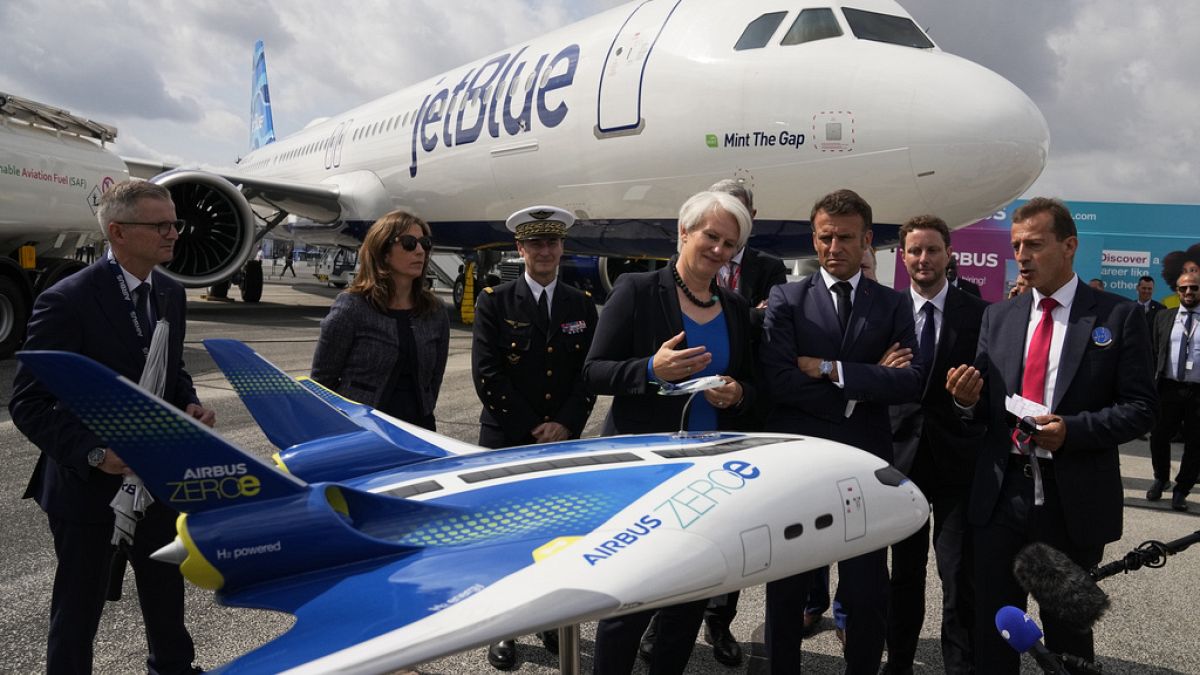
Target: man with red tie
<point>1084,355</point>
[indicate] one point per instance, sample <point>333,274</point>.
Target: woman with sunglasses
<point>385,340</point>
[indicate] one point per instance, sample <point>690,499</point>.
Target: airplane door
<point>331,144</point>
<point>619,112</point>
<point>854,508</point>
<point>756,550</point>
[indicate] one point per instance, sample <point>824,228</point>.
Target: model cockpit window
<point>759,32</point>
<point>896,30</point>
<point>812,25</point>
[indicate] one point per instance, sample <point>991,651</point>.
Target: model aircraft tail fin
<point>288,413</point>
<point>181,461</point>
<point>262,127</point>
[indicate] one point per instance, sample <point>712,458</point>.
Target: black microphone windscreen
<point>1062,589</point>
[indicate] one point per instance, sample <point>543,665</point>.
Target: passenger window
<point>759,32</point>
<point>896,30</point>
<point>812,25</point>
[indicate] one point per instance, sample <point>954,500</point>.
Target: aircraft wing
<point>314,201</point>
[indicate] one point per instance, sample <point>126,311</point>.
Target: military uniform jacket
<point>527,372</point>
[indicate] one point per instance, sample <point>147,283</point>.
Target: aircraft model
<point>453,546</point>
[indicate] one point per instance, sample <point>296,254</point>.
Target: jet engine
<point>218,235</point>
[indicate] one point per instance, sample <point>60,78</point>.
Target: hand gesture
<point>673,365</point>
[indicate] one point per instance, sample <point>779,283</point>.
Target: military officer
<point>530,338</point>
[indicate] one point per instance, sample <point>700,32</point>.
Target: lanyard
<point>133,313</point>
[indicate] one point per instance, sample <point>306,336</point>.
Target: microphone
<point>1021,633</point>
<point>1062,589</point>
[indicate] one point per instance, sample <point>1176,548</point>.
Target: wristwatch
<point>826,368</point>
<point>95,456</point>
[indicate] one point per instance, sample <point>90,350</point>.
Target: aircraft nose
<point>977,142</point>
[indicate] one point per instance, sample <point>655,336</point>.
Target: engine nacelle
<point>219,235</point>
<point>596,275</point>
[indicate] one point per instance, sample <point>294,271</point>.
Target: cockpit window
<point>896,30</point>
<point>759,32</point>
<point>811,25</point>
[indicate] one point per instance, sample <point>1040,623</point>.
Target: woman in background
<point>385,340</point>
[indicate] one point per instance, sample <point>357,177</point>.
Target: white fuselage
<point>726,522</point>
<point>633,110</point>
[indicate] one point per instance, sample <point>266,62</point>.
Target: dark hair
<point>926,222</point>
<point>1172,263</point>
<point>843,203</point>
<point>1146,277</point>
<point>1063,223</point>
<point>374,279</point>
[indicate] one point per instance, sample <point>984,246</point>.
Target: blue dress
<point>714,335</point>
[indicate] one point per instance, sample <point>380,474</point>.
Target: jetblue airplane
<point>393,545</point>
<point>620,118</point>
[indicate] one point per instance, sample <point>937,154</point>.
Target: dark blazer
<point>933,427</point>
<point>87,314</point>
<point>527,372</point>
<point>1105,394</point>
<point>801,321</point>
<point>1160,333</point>
<point>968,287</point>
<point>643,312</point>
<point>358,345</point>
<point>760,273</point>
<point>1153,311</point>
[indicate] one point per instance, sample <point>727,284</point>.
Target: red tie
<point>1033,382</point>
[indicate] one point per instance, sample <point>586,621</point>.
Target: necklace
<point>688,292</point>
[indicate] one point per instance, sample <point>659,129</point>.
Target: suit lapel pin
<point>1102,337</point>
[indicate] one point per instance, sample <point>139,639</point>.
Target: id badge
<point>1188,364</point>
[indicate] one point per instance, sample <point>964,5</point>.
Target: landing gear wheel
<point>14,315</point>
<point>219,290</point>
<point>460,289</point>
<point>252,281</point>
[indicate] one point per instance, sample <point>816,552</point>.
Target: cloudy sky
<point>1117,81</point>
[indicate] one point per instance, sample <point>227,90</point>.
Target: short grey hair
<point>737,188</point>
<point>120,202</point>
<point>700,205</point>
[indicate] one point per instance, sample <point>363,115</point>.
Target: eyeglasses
<point>409,242</point>
<point>1188,288</point>
<point>164,228</point>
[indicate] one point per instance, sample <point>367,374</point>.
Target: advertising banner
<point>1118,244</point>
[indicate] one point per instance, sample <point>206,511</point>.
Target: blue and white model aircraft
<point>393,545</point>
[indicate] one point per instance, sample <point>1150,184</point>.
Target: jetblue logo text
<point>457,116</point>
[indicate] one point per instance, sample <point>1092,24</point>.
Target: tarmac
<point>1152,626</point>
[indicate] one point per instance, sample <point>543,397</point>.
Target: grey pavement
<point>1152,626</point>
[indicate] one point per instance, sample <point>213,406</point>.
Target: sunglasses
<point>409,242</point>
<point>1188,288</point>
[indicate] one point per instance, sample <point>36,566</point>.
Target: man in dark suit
<point>1150,307</point>
<point>531,336</point>
<point>932,448</point>
<point>964,285</point>
<point>823,339</point>
<point>1084,355</point>
<point>107,312</point>
<point>1177,372</point>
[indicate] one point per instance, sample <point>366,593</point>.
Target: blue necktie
<point>1185,344</point>
<point>928,346</point>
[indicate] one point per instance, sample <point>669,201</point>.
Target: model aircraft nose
<point>976,141</point>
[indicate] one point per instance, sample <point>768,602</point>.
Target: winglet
<point>262,127</point>
<point>288,413</point>
<point>183,462</point>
